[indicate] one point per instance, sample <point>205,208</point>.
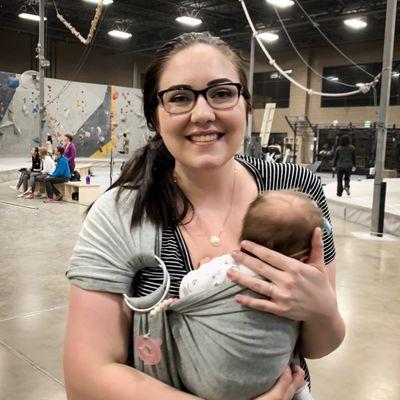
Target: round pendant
<point>215,241</point>
<point>148,349</point>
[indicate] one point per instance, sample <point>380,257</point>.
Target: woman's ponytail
<point>150,173</point>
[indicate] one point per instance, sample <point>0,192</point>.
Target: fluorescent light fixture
<point>268,36</point>
<point>275,75</point>
<point>31,17</point>
<point>355,23</point>
<point>289,71</point>
<point>120,34</point>
<point>105,2</point>
<point>281,3</point>
<point>332,78</point>
<point>396,74</point>
<point>360,84</point>
<point>189,21</point>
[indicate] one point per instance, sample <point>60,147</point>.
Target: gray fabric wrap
<point>218,349</point>
<point>210,344</point>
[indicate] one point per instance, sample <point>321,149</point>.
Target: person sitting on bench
<point>60,175</point>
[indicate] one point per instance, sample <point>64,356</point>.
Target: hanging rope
<point>363,89</point>
<point>302,58</point>
<point>315,25</point>
<point>81,62</point>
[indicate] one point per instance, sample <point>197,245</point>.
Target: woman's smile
<point>203,138</point>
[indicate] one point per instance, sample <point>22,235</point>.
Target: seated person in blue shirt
<point>60,175</point>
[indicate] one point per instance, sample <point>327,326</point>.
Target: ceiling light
<point>189,21</point>
<point>281,3</point>
<point>105,2</point>
<point>355,23</point>
<point>120,34</point>
<point>360,84</point>
<point>289,71</point>
<point>332,78</point>
<point>275,75</point>
<point>396,74</point>
<point>31,17</point>
<point>268,36</point>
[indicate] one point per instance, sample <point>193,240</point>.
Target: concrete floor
<point>37,242</point>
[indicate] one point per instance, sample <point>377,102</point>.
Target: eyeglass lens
<point>182,100</point>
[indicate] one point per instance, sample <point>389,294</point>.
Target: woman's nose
<point>202,112</point>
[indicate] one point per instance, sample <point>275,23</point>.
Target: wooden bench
<point>83,170</point>
<point>87,194</point>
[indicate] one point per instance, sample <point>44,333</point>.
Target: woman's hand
<point>284,389</point>
<point>293,290</point>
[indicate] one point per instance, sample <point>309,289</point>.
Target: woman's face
<point>33,151</point>
<point>204,137</point>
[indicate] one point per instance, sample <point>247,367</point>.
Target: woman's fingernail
<point>244,243</point>
<point>238,298</point>
<point>235,253</point>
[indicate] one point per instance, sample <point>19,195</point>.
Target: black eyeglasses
<point>220,96</point>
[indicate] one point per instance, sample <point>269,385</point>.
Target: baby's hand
<point>204,260</point>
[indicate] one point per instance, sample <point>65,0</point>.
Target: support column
<point>378,205</point>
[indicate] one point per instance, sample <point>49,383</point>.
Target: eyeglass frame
<point>202,92</point>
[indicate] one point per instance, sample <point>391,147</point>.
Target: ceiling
<point>152,22</point>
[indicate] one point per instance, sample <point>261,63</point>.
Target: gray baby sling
<point>211,345</point>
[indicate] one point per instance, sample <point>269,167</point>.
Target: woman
<point>344,162</point>
<point>49,145</point>
<point>187,181</point>
<point>26,173</point>
<point>69,151</point>
<point>48,168</point>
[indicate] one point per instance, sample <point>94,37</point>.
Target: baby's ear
<point>304,259</point>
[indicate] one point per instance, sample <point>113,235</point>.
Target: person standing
<point>344,162</point>
<point>49,145</point>
<point>60,175</point>
<point>70,151</point>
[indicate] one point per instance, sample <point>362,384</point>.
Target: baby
<point>283,221</point>
<point>216,348</point>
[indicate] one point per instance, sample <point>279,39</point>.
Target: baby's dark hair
<point>283,221</point>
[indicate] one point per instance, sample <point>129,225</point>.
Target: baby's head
<point>283,221</point>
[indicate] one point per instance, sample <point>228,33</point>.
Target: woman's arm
<point>96,348</point>
<point>294,290</point>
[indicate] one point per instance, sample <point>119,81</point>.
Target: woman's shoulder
<point>270,166</point>
<point>116,200</point>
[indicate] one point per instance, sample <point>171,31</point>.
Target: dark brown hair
<point>283,221</point>
<point>344,140</point>
<point>60,149</point>
<point>150,170</point>
<point>69,136</point>
<point>36,157</point>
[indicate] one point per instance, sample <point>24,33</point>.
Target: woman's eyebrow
<point>213,82</point>
<point>220,80</point>
<point>180,86</point>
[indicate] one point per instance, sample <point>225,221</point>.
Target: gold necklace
<point>215,240</point>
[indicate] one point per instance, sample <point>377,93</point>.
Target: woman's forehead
<point>196,66</point>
